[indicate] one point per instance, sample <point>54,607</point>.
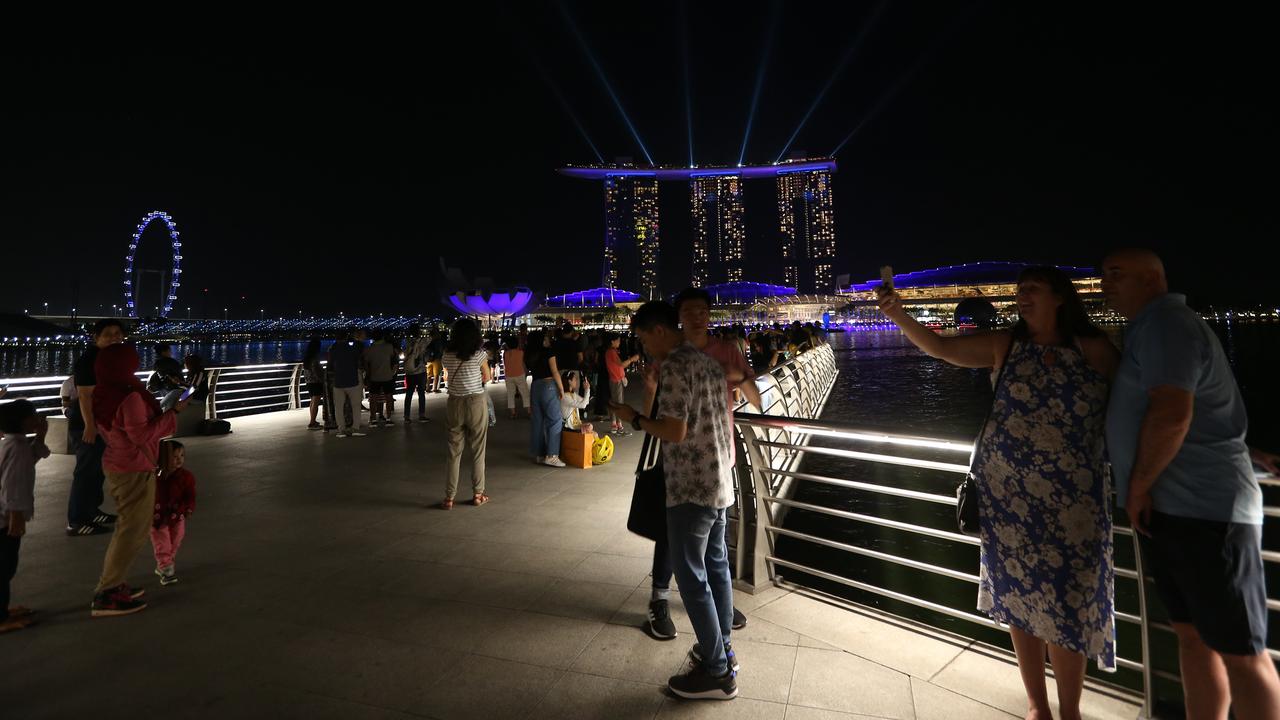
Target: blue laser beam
<point>555,89</point>
<point>865,30</point>
<point>582,42</point>
<point>684,53</point>
<point>907,76</point>
<point>564,104</point>
<point>764,63</point>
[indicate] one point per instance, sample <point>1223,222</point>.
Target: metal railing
<point>766,436</point>
<point>234,391</point>
<point>797,388</point>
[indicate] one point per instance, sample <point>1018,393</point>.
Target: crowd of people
<point>1163,420</point>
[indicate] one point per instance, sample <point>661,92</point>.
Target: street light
<point>224,314</point>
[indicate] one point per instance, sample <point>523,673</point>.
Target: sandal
<point>447,504</point>
<point>480,499</point>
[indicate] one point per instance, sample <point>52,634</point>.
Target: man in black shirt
<point>567,351</point>
<point>84,516</point>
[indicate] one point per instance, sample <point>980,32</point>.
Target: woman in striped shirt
<point>466,414</point>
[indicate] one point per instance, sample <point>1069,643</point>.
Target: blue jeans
<point>544,431</point>
<point>701,563</point>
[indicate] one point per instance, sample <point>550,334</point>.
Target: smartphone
<point>187,393</point>
<point>886,277</point>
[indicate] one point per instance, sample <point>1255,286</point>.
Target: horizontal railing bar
<point>935,569</point>
<point>872,457</point>
<point>911,600</point>
<point>249,382</point>
<point>222,392</point>
<point>872,520</point>
<point>869,487</point>
<point>252,407</point>
<point>818,426</point>
<point>257,397</point>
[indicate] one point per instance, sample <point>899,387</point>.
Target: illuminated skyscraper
<point>719,229</point>
<point>631,243</point>
<point>631,237</point>
<point>806,218</point>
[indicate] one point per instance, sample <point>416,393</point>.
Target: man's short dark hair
<point>105,323</point>
<point>655,313</point>
<point>13,413</point>
<point>692,293</point>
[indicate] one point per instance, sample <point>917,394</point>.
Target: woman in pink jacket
<point>131,421</point>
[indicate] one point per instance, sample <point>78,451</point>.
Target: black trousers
<point>8,566</point>
<point>86,482</point>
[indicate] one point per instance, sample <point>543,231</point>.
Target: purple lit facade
<point>965,274</point>
<point>499,302</point>
<point>742,293</point>
<point>596,297</point>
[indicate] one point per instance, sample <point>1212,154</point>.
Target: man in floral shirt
<point>698,464</point>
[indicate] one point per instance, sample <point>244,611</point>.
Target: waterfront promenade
<point>317,581</point>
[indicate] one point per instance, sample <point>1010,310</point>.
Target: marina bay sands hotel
<point>806,223</point>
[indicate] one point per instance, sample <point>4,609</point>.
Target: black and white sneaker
<point>698,684</point>
<point>659,624</point>
<point>739,620</point>
<point>696,654</point>
<point>87,529</point>
<point>104,518</point>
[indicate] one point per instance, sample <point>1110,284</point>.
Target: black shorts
<point>382,387</point>
<point>315,390</point>
<point>1210,575</point>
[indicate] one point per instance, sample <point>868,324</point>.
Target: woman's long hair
<point>464,338</point>
<point>313,351</point>
<point>1072,319</point>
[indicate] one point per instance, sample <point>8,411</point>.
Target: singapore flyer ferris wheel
<point>134,275</point>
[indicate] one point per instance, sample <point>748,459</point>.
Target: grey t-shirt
<point>1211,477</point>
<point>381,359</point>
<point>698,470</point>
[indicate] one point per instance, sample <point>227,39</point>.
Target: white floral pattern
<point>1044,499</point>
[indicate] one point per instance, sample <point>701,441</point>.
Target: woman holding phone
<point>1043,490</point>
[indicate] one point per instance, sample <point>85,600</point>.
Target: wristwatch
<point>635,423</point>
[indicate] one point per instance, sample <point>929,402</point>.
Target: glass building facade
<point>719,230</point>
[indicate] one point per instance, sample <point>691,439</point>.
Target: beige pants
<point>135,496</point>
<point>467,420</point>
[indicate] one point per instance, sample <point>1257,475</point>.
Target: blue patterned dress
<point>1044,498</point>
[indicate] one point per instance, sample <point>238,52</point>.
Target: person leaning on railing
<point>1043,490</point>
<point>1176,431</point>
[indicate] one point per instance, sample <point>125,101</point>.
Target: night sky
<point>329,169</point>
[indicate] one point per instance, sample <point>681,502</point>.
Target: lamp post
<point>224,314</point>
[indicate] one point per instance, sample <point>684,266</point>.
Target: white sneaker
<point>553,461</point>
<point>356,434</point>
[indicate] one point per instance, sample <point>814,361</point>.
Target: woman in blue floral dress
<point>1044,493</point>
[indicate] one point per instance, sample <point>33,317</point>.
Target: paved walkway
<point>317,582</point>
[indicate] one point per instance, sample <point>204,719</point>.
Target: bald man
<point>1176,429</point>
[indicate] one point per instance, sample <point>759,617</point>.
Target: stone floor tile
<point>840,681</point>
<point>590,697</point>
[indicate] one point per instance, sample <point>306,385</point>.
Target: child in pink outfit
<point>175,501</point>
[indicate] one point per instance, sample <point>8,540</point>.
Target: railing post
<point>211,402</point>
<point>763,545</point>
<point>295,394</point>
<point>1144,629</point>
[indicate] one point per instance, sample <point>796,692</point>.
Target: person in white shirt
<point>571,403</point>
